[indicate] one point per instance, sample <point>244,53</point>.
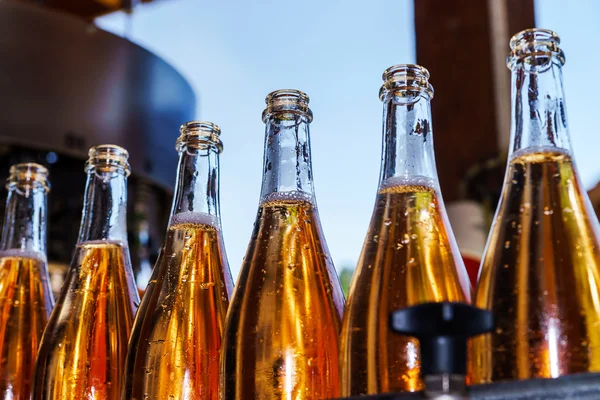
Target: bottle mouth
<point>535,47</point>
<point>28,175</point>
<point>287,101</point>
<point>108,158</point>
<point>409,78</point>
<point>199,133</point>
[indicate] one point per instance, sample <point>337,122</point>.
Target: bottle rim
<point>408,78</point>
<point>29,175</point>
<point>535,46</point>
<point>108,156</point>
<point>199,133</point>
<point>290,101</point>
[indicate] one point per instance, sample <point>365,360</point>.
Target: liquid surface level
<point>82,354</point>
<point>540,276</point>
<point>407,259</point>
<point>25,305</point>
<point>282,329</point>
<point>175,344</point>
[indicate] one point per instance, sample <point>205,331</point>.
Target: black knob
<point>443,330</point>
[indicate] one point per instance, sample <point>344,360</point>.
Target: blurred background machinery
<point>66,85</point>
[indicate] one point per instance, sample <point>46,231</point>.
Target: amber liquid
<point>82,354</point>
<point>407,259</point>
<point>281,338</point>
<point>540,276</point>
<point>25,305</point>
<point>175,344</point>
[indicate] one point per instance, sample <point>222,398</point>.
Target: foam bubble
<point>36,255</point>
<point>294,195</point>
<point>540,149</point>
<point>103,242</point>
<point>408,181</point>
<point>196,218</point>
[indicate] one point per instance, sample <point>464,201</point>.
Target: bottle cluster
<point>285,331</point>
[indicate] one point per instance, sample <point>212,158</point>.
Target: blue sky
<point>235,52</point>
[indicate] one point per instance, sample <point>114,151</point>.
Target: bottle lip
<point>202,133</point>
<point>535,46</point>
<point>290,101</point>
<point>108,157</point>
<point>29,175</point>
<point>408,78</point>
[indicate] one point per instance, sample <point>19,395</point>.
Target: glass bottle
<point>282,330</point>
<point>25,296</point>
<point>176,338</point>
<point>82,353</point>
<point>410,255</point>
<point>541,268</point>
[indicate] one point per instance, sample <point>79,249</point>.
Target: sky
<point>233,53</point>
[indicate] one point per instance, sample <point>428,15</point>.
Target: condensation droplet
<point>207,285</point>
<point>406,238</point>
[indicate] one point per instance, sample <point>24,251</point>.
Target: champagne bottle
<point>176,339</point>
<point>25,295</point>
<point>282,330</point>
<point>82,353</point>
<point>410,255</point>
<point>541,267</point>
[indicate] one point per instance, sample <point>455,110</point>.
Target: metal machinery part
<point>66,85</point>
<point>89,9</point>
<point>575,387</point>
<point>443,330</point>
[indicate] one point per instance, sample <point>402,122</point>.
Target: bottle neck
<point>25,220</point>
<point>407,139</point>
<point>197,185</point>
<point>105,206</point>
<point>539,118</point>
<point>287,161</point>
